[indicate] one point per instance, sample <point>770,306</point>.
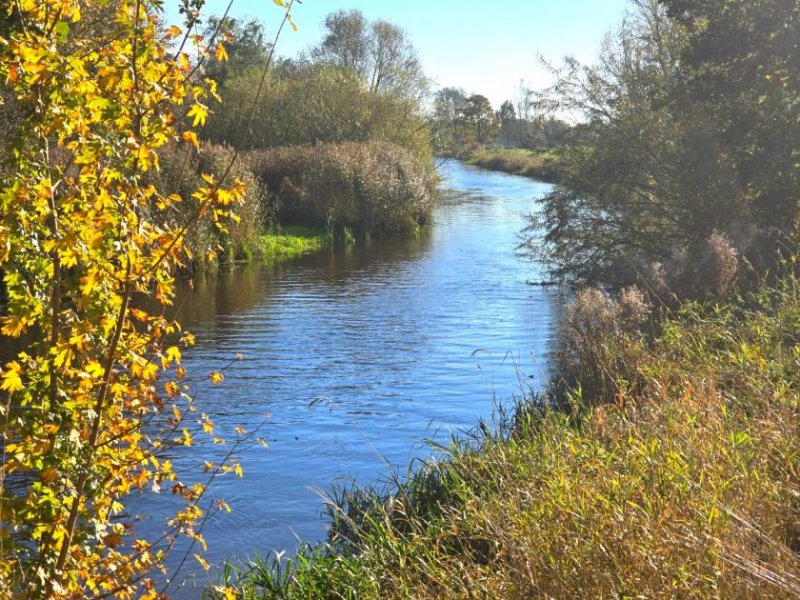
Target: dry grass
<point>372,187</point>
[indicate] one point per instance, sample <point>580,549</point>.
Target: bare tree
<point>346,44</point>
<point>378,52</point>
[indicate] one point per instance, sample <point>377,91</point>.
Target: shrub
<point>599,346</point>
<point>313,104</point>
<point>375,187</point>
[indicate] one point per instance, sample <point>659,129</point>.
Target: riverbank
<point>677,477</point>
<point>538,164</point>
<point>346,191</point>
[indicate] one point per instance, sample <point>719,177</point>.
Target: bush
<point>313,104</point>
<point>599,347</point>
<point>375,187</point>
<point>180,173</point>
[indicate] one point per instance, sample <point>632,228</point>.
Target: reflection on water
<point>359,354</point>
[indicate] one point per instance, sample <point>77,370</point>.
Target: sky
<point>485,47</point>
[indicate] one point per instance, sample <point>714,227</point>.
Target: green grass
<point>539,164</point>
<point>679,478</point>
<point>290,242</point>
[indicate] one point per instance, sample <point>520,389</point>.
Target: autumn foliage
<point>97,392</point>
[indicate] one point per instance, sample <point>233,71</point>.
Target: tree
<point>507,117</point>
<point>524,101</point>
<point>481,119</point>
<point>741,62</point>
<point>448,132</point>
<point>378,52</point>
<point>623,199</point>
<point>691,117</point>
<point>246,47</point>
<point>346,44</point>
<point>97,394</point>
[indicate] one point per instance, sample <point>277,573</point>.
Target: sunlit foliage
<point>98,391</point>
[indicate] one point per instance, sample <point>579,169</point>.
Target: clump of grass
<point>539,164</point>
<point>599,347</point>
<point>290,242</point>
<point>682,482</point>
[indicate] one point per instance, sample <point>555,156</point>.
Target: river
<point>360,354</point>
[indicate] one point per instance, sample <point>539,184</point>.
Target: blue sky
<point>484,47</point>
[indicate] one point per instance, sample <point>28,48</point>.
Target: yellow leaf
<point>191,137</point>
<point>64,357</point>
<point>174,31</point>
<point>183,63</point>
<point>94,368</point>
<point>216,377</point>
<point>174,354</point>
<point>199,113</point>
<point>14,326</point>
<point>221,53</point>
<point>89,283</point>
<point>202,562</point>
<point>12,382</point>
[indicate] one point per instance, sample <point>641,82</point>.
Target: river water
<point>360,354</point>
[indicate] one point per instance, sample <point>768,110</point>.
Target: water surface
<point>359,354</point>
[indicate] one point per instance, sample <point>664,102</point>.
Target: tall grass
<point>372,187</point>
<point>679,478</point>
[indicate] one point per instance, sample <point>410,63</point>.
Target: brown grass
<point>372,187</point>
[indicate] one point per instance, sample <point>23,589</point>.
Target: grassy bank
<point>679,476</point>
<point>538,164</point>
